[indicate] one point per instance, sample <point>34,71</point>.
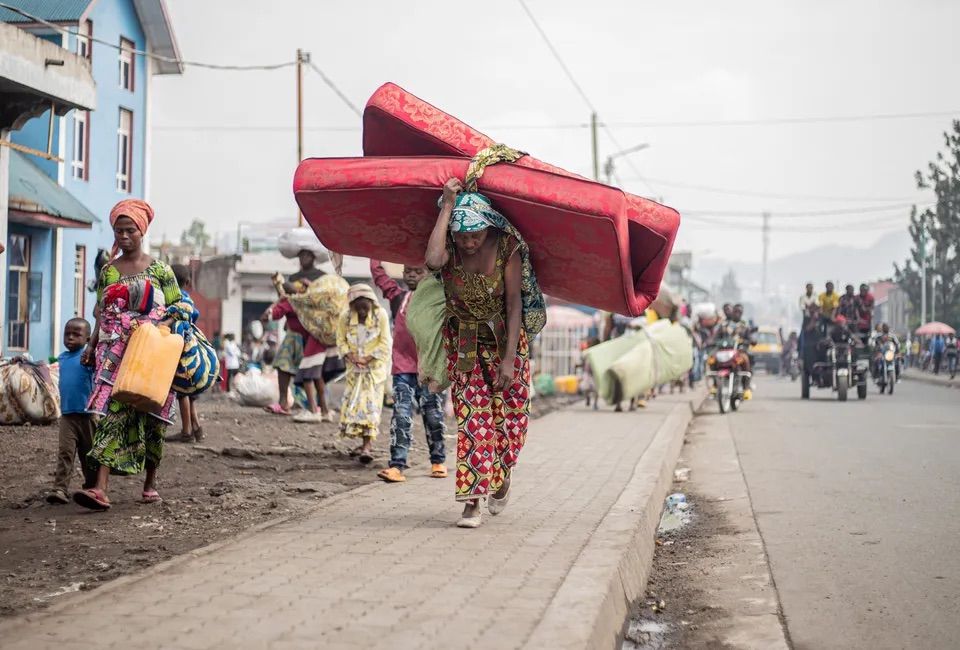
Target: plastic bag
<point>293,241</point>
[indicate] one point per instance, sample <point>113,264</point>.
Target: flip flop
<point>366,458</point>
<point>93,499</point>
<point>276,409</point>
<point>150,496</point>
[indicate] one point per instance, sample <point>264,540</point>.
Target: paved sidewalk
<point>383,565</point>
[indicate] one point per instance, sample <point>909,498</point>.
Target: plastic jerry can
<point>148,367</point>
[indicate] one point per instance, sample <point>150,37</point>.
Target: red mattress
<point>591,244</point>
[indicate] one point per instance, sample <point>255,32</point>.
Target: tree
<point>196,236</point>
<point>941,225</point>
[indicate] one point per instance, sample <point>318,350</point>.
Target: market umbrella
<point>935,327</point>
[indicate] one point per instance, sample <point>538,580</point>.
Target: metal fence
<point>556,351</point>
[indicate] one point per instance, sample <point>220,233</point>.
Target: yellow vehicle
<point>767,351</point>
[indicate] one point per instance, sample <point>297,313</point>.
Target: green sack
<point>603,355</point>
<point>425,314</point>
<point>543,384</point>
<point>663,354</point>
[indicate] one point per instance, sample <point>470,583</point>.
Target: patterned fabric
<point>362,402</point>
<point>472,212</point>
<point>125,438</point>
<point>491,426</point>
<point>290,353</point>
<point>489,156</point>
<point>199,368</point>
<point>318,309</point>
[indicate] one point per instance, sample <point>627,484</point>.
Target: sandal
<point>366,457</point>
<point>198,434</point>
<point>94,499</point>
<point>150,496</point>
<point>438,470</point>
<point>392,475</point>
<point>276,409</point>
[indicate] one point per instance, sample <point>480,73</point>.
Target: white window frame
<point>80,165</point>
<point>79,281</point>
<point>125,152</point>
<point>22,274</point>
<point>126,59</point>
<point>84,42</point>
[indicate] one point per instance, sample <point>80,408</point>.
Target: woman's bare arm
<point>437,254</point>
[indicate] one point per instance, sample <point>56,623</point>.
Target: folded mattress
<point>591,244</point>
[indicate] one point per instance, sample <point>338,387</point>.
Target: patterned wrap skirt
<point>491,426</point>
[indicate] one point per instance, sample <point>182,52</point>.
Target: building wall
<point>41,261</point>
<point>111,20</point>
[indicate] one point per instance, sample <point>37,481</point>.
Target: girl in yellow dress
<point>364,340</point>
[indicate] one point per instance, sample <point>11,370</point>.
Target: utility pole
<point>593,141</point>
<point>766,247</point>
<point>923,274</point>
<point>302,57</point>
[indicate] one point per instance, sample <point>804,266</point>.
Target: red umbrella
<point>935,327</point>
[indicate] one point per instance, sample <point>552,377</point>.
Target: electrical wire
<point>768,195</point>
<point>336,90</point>
<point>772,121</point>
<point>798,213</point>
<point>150,55</point>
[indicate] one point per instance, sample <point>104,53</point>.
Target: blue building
<point>58,209</point>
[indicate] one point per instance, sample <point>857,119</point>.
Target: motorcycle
<point>885,371</point>
<point>726,375</point>
<point>830,368</point>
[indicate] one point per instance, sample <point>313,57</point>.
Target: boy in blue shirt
<point>76,424</point>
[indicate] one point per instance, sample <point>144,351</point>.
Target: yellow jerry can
<point>148,366</point>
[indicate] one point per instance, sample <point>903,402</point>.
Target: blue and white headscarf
<point>473,212</point>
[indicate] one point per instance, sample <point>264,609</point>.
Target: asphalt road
<point>858,504</point>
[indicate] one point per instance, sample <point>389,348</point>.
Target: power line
<point>335,89</point>
<point>150,55</point>
<point>556,55</point>
<point>768,195</point>
<point>799,213</point>
<point>770,121</point>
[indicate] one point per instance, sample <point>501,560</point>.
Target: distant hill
<point>843,263</point>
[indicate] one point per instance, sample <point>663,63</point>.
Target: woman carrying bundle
<point>493,307</point>
<point>132,288</point>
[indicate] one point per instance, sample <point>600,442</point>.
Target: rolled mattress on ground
<point>591,243</point>
<point>602,356</point>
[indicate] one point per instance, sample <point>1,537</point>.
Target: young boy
<point>76,424</point>
<point>407,388</point>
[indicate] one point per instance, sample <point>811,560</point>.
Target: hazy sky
<point>224,145</point>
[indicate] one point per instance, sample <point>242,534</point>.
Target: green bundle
<point>425,314</point>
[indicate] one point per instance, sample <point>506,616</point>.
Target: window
<point>126,63</point>
<point>81,145</point>
<point>84,42</point>
<point>79,280</point>
<point>18,292</point>
<point>124,150</point>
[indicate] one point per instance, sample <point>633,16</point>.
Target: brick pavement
<point>383,565</point>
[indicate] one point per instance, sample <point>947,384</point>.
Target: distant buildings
<point>891,306</point>
<point>57,219</point>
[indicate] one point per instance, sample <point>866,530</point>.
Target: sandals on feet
<point>438,470</point>
<point>150,496</point>
<point>93,499</point>
<point>276,409</point>
<point>392,475</point>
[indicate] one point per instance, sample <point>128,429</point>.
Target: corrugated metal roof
<point>54,11</point>
<point>33,191</point>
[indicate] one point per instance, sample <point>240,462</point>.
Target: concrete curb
<point>591,607</point>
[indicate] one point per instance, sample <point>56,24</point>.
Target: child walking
<point>407,389</point>
<point>363,338</point>
<point>76,423</point>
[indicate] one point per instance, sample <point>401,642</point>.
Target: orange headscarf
<point>137,211</point>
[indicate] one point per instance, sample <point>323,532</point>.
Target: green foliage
<point>196,236</point>
<point>942,225</point>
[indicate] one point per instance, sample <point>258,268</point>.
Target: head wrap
<point>137,211</point>
<point>473,212</point>
<point>361,290</point>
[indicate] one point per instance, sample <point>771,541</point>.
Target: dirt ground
<point>252,467</point>
<point>675,610</point>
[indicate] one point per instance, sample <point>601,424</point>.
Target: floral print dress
<point>363,393</point>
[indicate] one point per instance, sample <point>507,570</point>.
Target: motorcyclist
<point>950,352</point>
<point>743,332</point>
<point>884,336</point>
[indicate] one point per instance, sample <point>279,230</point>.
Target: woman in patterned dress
<point>493,304</point>
<point>364,340</point>
<point>133,288</point>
